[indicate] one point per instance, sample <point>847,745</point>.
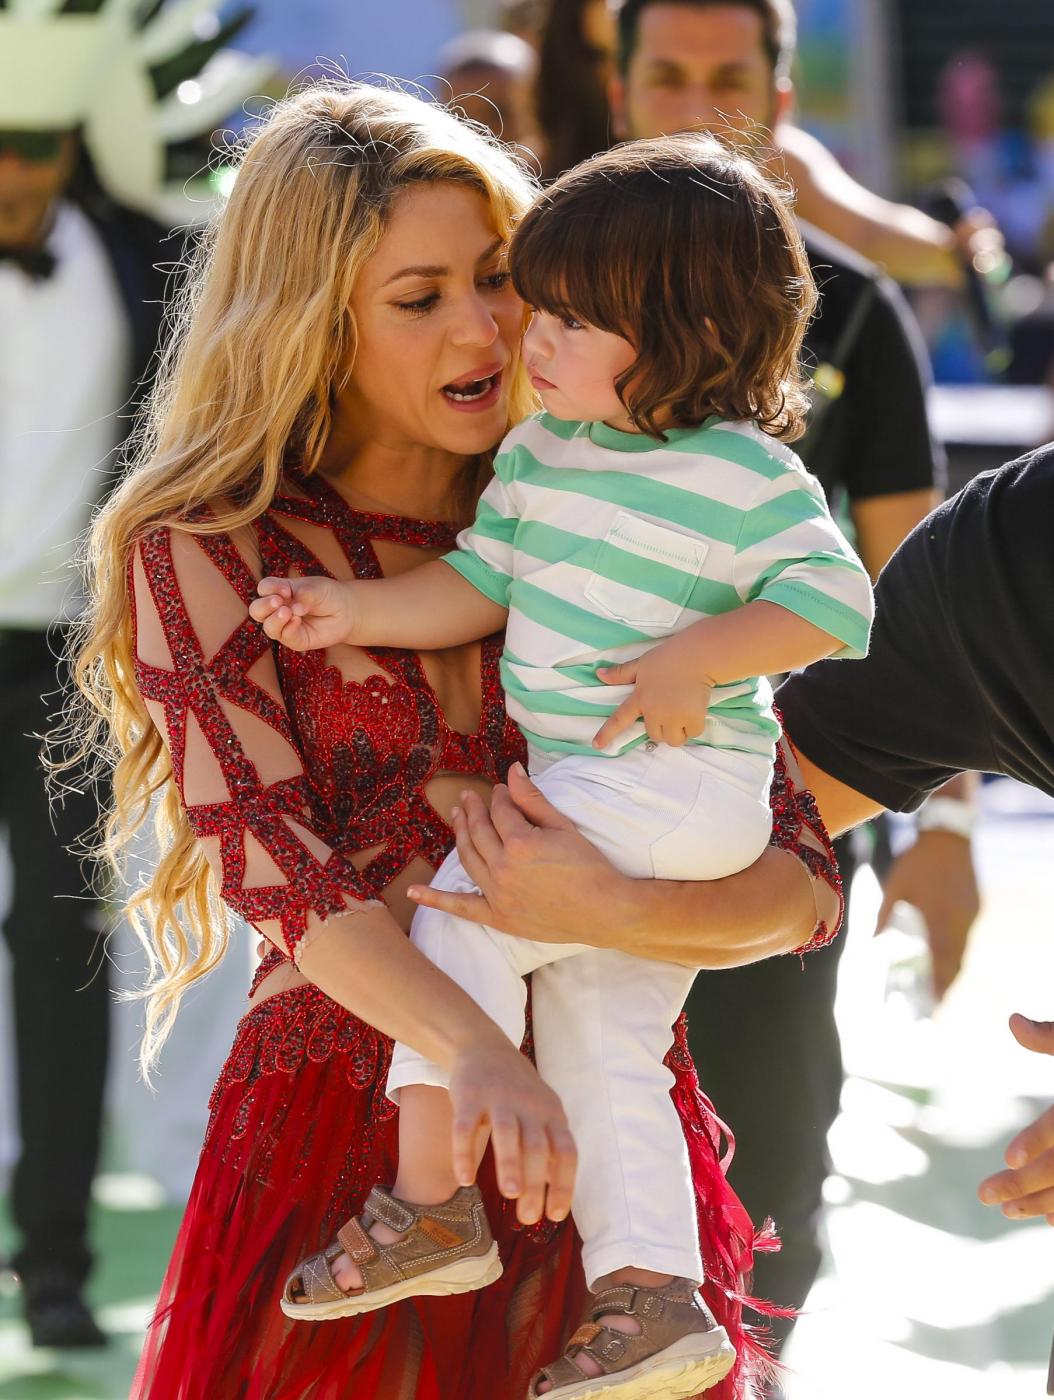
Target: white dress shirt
<point>65,353</point>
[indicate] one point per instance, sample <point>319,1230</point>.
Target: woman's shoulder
<point>198,540</point>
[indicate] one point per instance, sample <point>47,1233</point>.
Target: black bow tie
<point>37,263</point>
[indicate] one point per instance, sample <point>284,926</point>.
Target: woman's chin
<point>470,434</point>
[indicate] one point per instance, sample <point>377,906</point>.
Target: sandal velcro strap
<point>389,1211</point>
<point>559,1373</point>
<point>613,1300</point>
<point>586,1334</point>
<point>317,1281</point>
<point>355,1242</point>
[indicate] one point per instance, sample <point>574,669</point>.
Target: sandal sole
<point>686,1367</point>
<point>465,1276</point>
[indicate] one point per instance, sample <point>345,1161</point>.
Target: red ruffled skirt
<point>300,1130</point>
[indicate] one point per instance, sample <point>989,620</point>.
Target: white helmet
<point>135,77</point>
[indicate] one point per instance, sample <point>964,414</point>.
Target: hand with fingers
<point>538,876</point>
<point>937,876</point>
<point>669,694</point>
<point>305,614</point>
<point>1027,1188</point>
<point>501,1096</point>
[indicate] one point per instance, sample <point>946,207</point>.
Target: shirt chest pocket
<point>644,573</point>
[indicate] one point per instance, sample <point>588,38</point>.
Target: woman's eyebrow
<point>436,269</point>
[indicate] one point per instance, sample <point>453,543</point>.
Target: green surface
<point>133,1244</point>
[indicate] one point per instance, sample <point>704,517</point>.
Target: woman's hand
<point>305,614</point>
<point>1027,1189</point>
<point>539,877</point>
<point>499,1094</point>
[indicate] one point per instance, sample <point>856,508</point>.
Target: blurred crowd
<point>976,250</point>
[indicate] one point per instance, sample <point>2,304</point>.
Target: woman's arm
<point>210,684</point>
<point>541,879</point>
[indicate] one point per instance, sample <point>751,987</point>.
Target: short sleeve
<point>207,674</point>
<point>791,552</point>
<point>888,447</point>
<point>909,717</point>
<point>485,551</point>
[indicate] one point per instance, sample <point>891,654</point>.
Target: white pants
<point>603,1019</point>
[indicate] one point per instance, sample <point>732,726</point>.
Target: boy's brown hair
<point>687,250</point>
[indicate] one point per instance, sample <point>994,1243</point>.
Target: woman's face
<point>439,327</point>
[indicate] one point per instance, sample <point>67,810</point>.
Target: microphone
<point>950,201</point>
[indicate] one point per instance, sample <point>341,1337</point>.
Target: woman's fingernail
<point>1016,1157</point>
<point>989,1195</point>
<point>455,812</point>
<point>518,767</point>
<point>413,892</point>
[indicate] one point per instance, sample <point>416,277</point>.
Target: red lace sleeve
<point>208,676</point>
<point>798,827</point>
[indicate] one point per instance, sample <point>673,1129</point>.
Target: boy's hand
<point>669,693</point>
<point>305,614</point>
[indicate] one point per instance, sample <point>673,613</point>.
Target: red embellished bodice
<point>361,751</point>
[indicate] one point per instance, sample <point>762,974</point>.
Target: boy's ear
<point>617,103</point>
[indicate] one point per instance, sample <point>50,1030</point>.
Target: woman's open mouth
<point>472,393</point>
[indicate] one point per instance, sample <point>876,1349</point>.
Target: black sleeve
<point>907,718</point>
<point>887,444</point>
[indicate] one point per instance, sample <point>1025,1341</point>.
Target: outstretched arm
<point>425,609</point>
<point>913,248</point>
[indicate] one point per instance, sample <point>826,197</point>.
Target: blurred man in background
<point>490,75</point>
<point>764,1036</point>
<point>725,64</point>
<point>79,305</point>
<point>81,160</point>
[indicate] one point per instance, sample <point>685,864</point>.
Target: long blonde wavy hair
<point>262,343</point>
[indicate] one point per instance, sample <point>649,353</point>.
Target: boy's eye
<point>569,323</point>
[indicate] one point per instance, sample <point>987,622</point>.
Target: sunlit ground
<point>929,1294</point>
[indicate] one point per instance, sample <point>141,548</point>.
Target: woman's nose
<point>476,325</point>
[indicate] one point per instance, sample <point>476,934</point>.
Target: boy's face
<point>698,68</point>
<point>573,367</point>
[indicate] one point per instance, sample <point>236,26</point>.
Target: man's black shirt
<point>873,440</point>
<point>960,674</point>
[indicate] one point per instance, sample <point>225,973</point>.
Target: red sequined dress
<point>307,779</point>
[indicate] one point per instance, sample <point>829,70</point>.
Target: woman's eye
<point>419,307</point>
<point>497,281</point>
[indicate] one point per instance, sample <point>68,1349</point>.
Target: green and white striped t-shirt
<point>600,543</point>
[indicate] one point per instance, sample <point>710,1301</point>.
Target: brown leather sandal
<point>679,1352</point>
<point>445,1249</point>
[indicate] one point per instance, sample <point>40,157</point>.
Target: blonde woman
<point>347,359</point>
